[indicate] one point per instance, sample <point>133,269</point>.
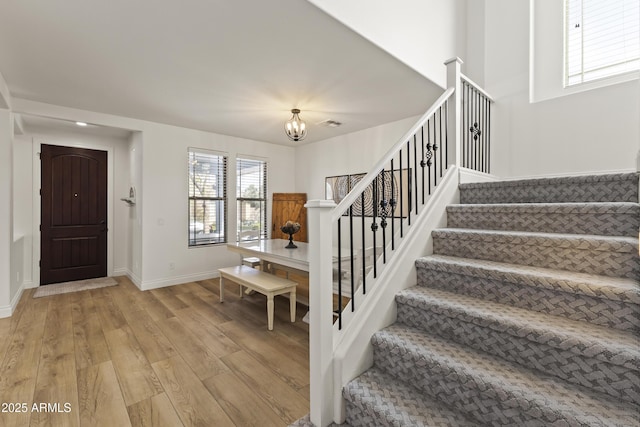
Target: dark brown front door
<point>74,214</point>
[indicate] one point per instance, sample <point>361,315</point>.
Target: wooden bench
<point>265,283</point>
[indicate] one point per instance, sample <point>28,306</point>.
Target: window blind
<point>207,198</point>
<point>251,196</point>
<point>602,39</point>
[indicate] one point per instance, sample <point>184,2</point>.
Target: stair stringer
<point>353,351</point>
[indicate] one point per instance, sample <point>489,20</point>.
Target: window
<point>207,198</point>
<point>602,39</point>
<point>252,199</point>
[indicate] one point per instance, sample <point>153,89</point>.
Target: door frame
<point>37,208</point>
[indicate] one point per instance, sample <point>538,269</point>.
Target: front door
<point>74,214</point>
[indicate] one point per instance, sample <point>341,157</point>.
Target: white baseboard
<point>7,311</point>
<point>177,280</point>
<point>467,176</point>
<point>134,278</point>
<point>120,272</point>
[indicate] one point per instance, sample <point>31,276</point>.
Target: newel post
<point>455,111</point>
<point>320,311</point>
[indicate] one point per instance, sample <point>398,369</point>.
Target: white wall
<point>134,220</point>
<point>422,34</point>
<point>22,211</point>
<point>154,159</point>
<point>118,184</point>
<point>591,131</point>
<point>7,292</point>
<point>353,153</point>
<point>165,208</point>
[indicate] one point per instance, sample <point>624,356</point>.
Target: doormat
<point>78,285</point>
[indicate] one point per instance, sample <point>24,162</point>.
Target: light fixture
<point>295,128</point>
<point>81,123</point>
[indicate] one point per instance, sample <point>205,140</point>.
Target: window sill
<point>584,87</point>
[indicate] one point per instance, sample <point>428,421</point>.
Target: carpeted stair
<point>527,313</point>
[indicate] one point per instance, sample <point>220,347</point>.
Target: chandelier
<point>295,128</point>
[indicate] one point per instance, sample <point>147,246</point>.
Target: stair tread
<point>621,187</point>
<point>613,288</point>
<point>554,180</point>
<point>380,394</point>
<point>574,207</point>
<point>512,385</point>
<point>611,345</point>
<point>558,240</point>
<point>614,256</point>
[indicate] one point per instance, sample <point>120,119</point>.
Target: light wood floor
<point>172,357</point>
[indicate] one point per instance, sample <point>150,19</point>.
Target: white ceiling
<point>234,67</point>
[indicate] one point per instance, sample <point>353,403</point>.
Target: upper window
<point>251,196</point>
<point>602,39</point>
<point>207,198</point>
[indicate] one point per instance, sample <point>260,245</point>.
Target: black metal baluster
<point>469,121</point>
<point>401,198</point>
<point>465,125</point>
<point>383,217</point>
<point>422,162</point>
<point>440,137</point>
<point>481,138</point>
<point>473,117</point>
<point>435,155</point>
<point>364,279</point>
<point>486,135</point>
<point>351,259</point>
<point>429,154</point>
<point>393,208</point>
<point>374,225</point>
<point>409,185</point>
<point>415,170</point>
<point>339,275</point>
<point>489,141</point>
<point>476,163</point>
<point>463,120</point>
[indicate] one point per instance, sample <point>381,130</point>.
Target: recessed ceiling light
<point>81,123</point>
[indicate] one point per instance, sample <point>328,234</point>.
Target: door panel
<point>74,214</point>
<point>289,207</point>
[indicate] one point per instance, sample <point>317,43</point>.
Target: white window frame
<point>546,55</point>
<point>584,73</point>
<point>262,200</point>
<point>196,236</point>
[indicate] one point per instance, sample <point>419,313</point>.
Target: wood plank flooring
<point>172,357</point>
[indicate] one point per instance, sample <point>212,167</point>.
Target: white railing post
<point>455,110</point>
<point>320,311</point>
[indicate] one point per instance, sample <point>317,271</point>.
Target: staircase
<point>527,313</point>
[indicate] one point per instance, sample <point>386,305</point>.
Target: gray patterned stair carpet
<point>583,189</point>
<point>605,219</point>
<point>606,301</point>
<point>527,313</point>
